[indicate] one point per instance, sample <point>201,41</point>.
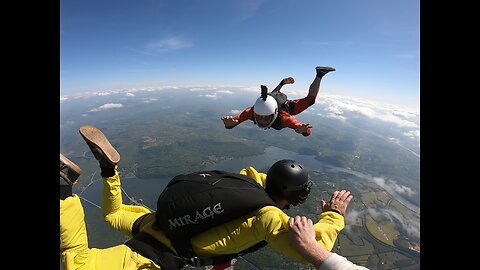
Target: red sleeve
<point>247,114</point>
<point>291,122</point>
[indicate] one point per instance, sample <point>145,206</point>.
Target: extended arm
<point>287,80</point>
<point>291,122</point>
<point>232,121</point>
<point>274,225</point>
<point>302,237</point>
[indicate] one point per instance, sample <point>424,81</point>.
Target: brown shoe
<point>288,80</point>
<point>101,148</point>
<point>69,171</point>
<point>323,70</point>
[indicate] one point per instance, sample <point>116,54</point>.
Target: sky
<point>374,45</point>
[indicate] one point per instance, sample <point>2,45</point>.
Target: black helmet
<point>288,179</point>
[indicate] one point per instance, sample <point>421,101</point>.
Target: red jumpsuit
<point>286,119</point>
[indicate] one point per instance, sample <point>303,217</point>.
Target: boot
<point>69,171</point>
<point>104,152</point>
<point>321,71</point>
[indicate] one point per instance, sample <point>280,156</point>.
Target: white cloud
<point>392,187</point>
<point>327,105</point>
<point>395,140</point>
<point>167,45</point>
<point>219,89</point>
<point>225,92</point>
<point>352,215</point>
<point>107,106</point>
<point>413,134</point>
<point>235,112</point>
<point>129,94</point>
<point>339,105</point>
<point>379,181</point>
<point>202,88</point>
<point>149,100</point>
<point>374,213</point>
<point>345,108</point>
<point>213,96</point>
<point>401,189</point>
<point>412,227</point>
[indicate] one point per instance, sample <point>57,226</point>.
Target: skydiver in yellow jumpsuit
<point>268,223</point>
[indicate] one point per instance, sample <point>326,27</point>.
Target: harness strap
<point>151,248</point>
<point>136,225</point>
<point>199,262</point>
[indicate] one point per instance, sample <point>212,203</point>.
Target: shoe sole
<point>95,137</point>
<point>325,68</point>
<point>72,166</point>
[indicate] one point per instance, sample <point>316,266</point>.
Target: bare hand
<point>288,80</point>
<point>303,128</point>
<point>229,122</point>
<point>338,202</point>
<point>301,232</point>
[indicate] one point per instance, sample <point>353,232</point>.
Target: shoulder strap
<point>277,123</point>
<point>281,99</point>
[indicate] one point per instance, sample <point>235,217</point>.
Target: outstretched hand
<point>338,202</point>
<point>229,122</point>
<point>303,128</point>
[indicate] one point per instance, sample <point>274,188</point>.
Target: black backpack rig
<point>195,202</point>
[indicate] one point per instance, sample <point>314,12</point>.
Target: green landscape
<point>159,141</point>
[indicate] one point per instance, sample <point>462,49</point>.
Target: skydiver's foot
<point>321,71</point>
<point>288,80</point>
<point>104,152</point>
<point>69,171</point>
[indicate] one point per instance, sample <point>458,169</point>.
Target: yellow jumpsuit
<point>268,223</point>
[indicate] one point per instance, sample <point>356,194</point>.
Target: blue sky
<point>373,44</point>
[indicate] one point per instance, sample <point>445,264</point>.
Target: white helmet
<point>266,107</point>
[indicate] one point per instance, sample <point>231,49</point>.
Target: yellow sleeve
<point>328,227</point>
<point>273,224</point>
<point>251,172</point>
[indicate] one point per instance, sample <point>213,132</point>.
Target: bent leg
<point>119,257</point>
<point>73,233</point>
<point>297,106</point>
<point>120,216</point>
<point>315,86</point>
<point>76,254</point>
